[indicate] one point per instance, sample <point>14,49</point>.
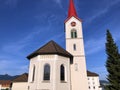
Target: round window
<point>73,24</point>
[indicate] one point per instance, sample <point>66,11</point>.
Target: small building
<point>20,83</point>
<point>0,86</point>
<point>93,81</point>
<point>5,84</point>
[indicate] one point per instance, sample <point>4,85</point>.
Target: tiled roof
<point>91,74</point>
<point>21,78</point>
<point>5,82</point>
<point>50,48</point>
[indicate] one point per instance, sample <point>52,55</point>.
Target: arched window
<point>73,33</point>
<point>62,73</point>
<point>46,72</point>
<point>33,76</point>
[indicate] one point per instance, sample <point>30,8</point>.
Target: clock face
<point>73,24</point>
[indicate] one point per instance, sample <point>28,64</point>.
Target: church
<point>54,68</point>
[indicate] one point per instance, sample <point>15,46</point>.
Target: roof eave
<point>34,55</point>
<point>74,17</point>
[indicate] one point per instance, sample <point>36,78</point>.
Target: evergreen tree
<point>112,63</point>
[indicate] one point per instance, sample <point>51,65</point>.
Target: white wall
<point>93,83</point>
<point>20,86</point>
<point>78,77</point>
<point>5,87</point>
<point>0,87</point>
<point>54,83</point>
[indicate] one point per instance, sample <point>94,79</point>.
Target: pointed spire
<point>71,11</point>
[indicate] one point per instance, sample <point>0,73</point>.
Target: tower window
<point>74,47</point>
<point>73,33</point>
<point>62,73</point>
<point>33,76</point>
<point>46,72</point>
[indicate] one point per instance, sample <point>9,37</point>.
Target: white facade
<point>93,83</point>
<point>75,45</point>
<point>55,61</point>
<point>20,86</point>
<point>0,86</point>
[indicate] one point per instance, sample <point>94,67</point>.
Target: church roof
<point>91,74</point>
<point>5,82</point>
<point>50,48</point>
<point>72,11</point>
<point>21,78</point>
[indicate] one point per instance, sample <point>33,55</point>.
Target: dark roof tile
<point>21,78</point>
<point>4,82</point>
<point>91,74</point>
<point>50,48</point>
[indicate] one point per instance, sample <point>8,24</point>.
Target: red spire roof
<point>72,11</point>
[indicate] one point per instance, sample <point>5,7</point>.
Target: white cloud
<point>116,36</point>
<point>98,44</point>
<point>16,46</point>
<point>10,3</point>
<point>11,67</point>
<point>103,11</point>
<point>58,2</point>
<point>101,71</point>
<point>4,63</point>
<point>94,45</point>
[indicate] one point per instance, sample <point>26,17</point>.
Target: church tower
<point>75,45</point>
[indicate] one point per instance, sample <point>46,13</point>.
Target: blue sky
<point>26,25</point>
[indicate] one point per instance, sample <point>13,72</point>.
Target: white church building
<point>54,68</point>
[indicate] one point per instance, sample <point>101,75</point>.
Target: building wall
<point>55,61</point>
<point>5,87</point>
<point>0,87</point>
<point>93,83</point>
<point>78,68</point>
<point>20,86</point>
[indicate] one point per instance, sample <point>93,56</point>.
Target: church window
<point>73,33</point>
<point>89,87</point>
<point>62,73</point>
<point>46,72</point>
<point>74,47</point>
<point>33,76</point>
